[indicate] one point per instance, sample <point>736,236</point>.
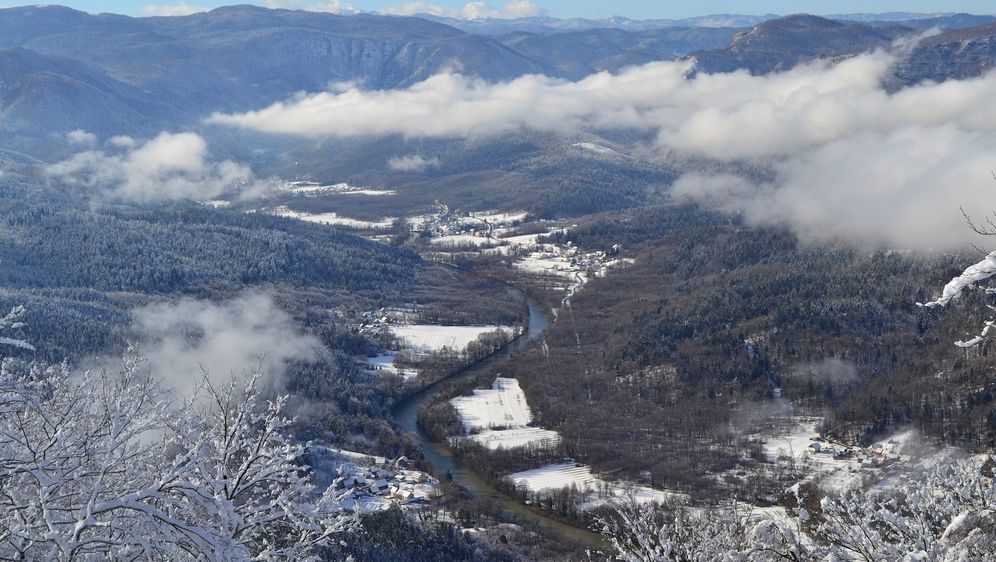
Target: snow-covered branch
<point>12,321</point>
<point>947,514</point>
<point>100,466</point>
<point>977,273</point>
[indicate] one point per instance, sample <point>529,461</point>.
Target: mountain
<point>546,24</point>
<point>957,54</point>
<point>64,69</point>
<point>264,54</point>
<point>48,93</point>
<point>577,54</point>
<point>783,43</point>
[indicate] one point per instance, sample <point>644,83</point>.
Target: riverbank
<point>442,458</point>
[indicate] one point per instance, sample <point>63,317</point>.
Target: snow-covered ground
<point>557,476</point>
<point>464,240</point>
<point>430,337</point>
<point>498,218</point>
<point>333,219</point>
<point>374,483</point>
<point>546,263</point>
<point>837,467</point>
<point>507,438</point>
<point>572,475</point>
<point>598,149</point>
<point>308,188</point>
<point>501,406</point>
<point>384,363</point>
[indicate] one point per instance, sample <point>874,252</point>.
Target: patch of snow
<point>597,149</point>
<point>385,363</point>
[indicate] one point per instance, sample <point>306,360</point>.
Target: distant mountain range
<point>62,69</point>
<point>545,24</point>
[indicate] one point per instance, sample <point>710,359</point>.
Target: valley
<point>290,283</point>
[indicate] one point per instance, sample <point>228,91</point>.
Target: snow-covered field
<point>546,263</point>
<point>464,240</point>
<point>572,475</point>
<point>507,438</point>
<point>333,219</point>
<point>501,406</point>
<point>557,476</point>
<point>499,218</point>
<point>430,337</point>
<point>307,188</point>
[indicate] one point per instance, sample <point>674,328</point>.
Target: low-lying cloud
<point>851,160</point>
<point>412,163</point>
<point>182,338</point>
<point>166,168</point>
<point>902,189</point>
<point>830,370</point>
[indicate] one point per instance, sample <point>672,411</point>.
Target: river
<point>440,456</point>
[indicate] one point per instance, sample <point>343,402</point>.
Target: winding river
<point>406,413</point>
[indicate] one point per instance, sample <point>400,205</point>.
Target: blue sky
<point>641,9</point>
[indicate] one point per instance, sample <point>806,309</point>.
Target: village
<point>371,483</point>
<point>526,245</point>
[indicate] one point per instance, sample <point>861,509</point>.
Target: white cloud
<point>121,141</point>
<point>850,160</point>
<point>180,9</point>
<point>181,338</point>
<point>522,9</point>
<point>902,188</point>
<point>414,8</point>
<point>453,105</point>
<point>168,167</point>
<point>412,163</point>
<point>471,10</point>
<point>79,136</point>
<point>334,6</point>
